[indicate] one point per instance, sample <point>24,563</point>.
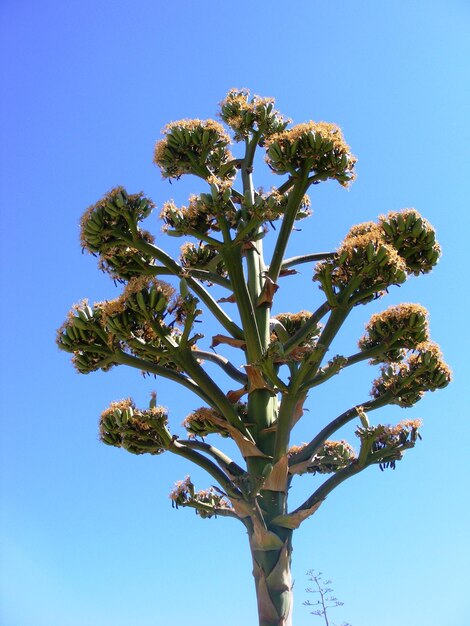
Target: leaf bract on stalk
<point>277,358</point>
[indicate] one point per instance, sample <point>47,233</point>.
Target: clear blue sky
<point>88,534</point>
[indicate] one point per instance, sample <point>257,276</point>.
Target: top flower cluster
<point>200,147</point>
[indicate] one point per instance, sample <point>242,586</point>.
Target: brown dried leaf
<point>277,479</point>
<point>263,539</point>
<point>235,343</point>
<point>246,447</point>
<point>287,272</point>
<point>298,410</point>
<point>234,395</point>
<point>293,520</point>
<point>241,508</point>
<point>230,299</point>
<point>267,295</point>
<point>255,379</point>
<point>267,610</point>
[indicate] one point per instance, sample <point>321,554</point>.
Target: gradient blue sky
<point>88,534</point>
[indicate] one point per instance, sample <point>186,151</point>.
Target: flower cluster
<point>414,239</point>
<point>331,457</point>
<point>205,421</point>
<point>424,370</point>
<point>386,444</point>
<point>83,335</point>
<point>139,432</point>
<point>398,328</point>
<point>365,266</point>
<point>269,207</point>
<point>317,146</point>
<point>287,325</point>
<point>196,147</point>
<point>245,116</point>
<point>370,259</point>
<point>142,320</point>
<point>206,502</point>
<point>110,228</point>
<point>202,256</point>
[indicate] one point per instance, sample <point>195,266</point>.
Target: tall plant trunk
<point>273,581</point>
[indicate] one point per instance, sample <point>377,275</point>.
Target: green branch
<point>199,459</point>
<point>224,363</point>
<point>222,459</point>
<point>312,448</point>
<point>195,285</point>
<point>307,258</point>
<point>307,328</point>
<point>146,366</point>
<point>293,203</point>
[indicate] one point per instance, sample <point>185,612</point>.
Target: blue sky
<point>88,534</point>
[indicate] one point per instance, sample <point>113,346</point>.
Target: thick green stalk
<point>261,403</point>
<point>273,582</point>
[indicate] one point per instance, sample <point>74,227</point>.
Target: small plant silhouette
<point>326,601</point>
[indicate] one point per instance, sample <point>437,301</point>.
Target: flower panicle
<point>386,444</point>
<point>193,146</point>
<point>318,147</point>
<point>246,116</point>
<point>406,382</point>
<point>206,502</point>
<point>397,329</point>
<point>110,227</point>
<point>122,425</point>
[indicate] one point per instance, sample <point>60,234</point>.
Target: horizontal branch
<point>311,448</point>
<point>146,366</point>
<point>220,457</point>
<point>222,362</point>
<point>307,258</point>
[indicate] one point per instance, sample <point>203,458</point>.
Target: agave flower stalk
<point>278,358</point>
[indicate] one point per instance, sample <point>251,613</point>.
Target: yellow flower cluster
<point>203,257</point>
<point>245,116</point>
<point>331,457</point>
<point>375,255</point>
<point>317,146</point>
<point>205,421</point>
<point>104,229</point>
<point>82,334</point>
<point>196,147</point>
<point>139,432</point>
<point>424,370</point>
<point>414,239</point>
<point>399,327</point>
<point>206,502</point>
<point>290,324</point>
